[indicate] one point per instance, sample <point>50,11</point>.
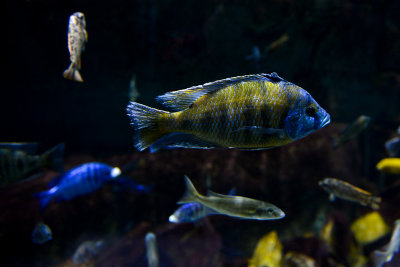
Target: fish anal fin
<point>332,197</point>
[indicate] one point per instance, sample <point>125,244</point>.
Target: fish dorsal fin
<point>182,99</point>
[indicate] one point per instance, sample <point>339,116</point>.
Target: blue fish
<point>192,212</point>
<point>41,234</point>
<point>80,180</point>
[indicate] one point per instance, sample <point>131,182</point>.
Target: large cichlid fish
<point>249,112</point>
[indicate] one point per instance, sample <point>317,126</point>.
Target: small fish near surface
<point>352,130</point>
<point>77,37</point>
<point>41,234</point>
<point>234,206</point>
<point>344,190</point>
<point>87,251</point>
<point>192,212</point>
<point>248,112</point>
<point>386,255</point>
<point>151,250</point>
<point>15,165</point>
<point>81,180</point>
<point>389,165</point>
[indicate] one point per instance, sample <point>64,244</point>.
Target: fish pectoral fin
<point>181,140</point>
<point>332,197</point>
<point>182,99</point>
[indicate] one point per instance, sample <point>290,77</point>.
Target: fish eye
<point>310,111</point>
<point>269,210</point>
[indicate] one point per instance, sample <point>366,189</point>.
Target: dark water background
<point>345,53</point>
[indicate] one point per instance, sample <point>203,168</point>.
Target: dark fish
<point>192,212</point>
<point>87,251</point>
<point>235,206</point>
<point>344,190</point>
<point>80,180</point>
<point>352,130</point>
<point>16,165</point>
<point>393,147</point>
<point>77,37</point>
<point>151,250</point>
<point>29,148</point>
<point>249,112</point>
<point>41,234</point>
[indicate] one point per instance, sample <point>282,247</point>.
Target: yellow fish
<point>77,37</point>
<point>369,228</point>
<point>249,112</point>
<point>389,165</point>
<point>268,251</point>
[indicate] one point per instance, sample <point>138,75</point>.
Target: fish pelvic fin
<point>374,202</point>
<point>146,122</point>
<point>53,158</point>
<point>44,199</point>
<point>191,194</point>
<point>72,73</point>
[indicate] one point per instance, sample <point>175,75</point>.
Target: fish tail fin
<point>191,193</point>
<point>145,121</point>
<point>374,202</point>
<point>72,73</point>
<point>44,199</point>
<point>53,157</point>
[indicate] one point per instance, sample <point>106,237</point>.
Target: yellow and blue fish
<point>256,111</point>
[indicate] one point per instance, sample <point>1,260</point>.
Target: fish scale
<point>249,112</point>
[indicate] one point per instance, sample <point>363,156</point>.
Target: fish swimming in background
<point>29,148</point>
<point>393,247</point>
<point>255,54</point>
<point>296,259</point>
<point>77,37</point>
<point>268,251</point>
<point>389,165</point>
<point>393,147</point>
<point>81,180</point>
<point>278,42</point>
<point>41,234</point>
<point>235,206</point>
<point>352,130</point>
<point>248,112</point>
<point>192,212</point>
<point>16,165</point>
<point>87,251</point>
<point>344,190</point>
<point>133,91</point>
<point>151,250</point>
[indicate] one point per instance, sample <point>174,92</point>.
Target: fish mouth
<point>325,121</point>
<point>280,215</point>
